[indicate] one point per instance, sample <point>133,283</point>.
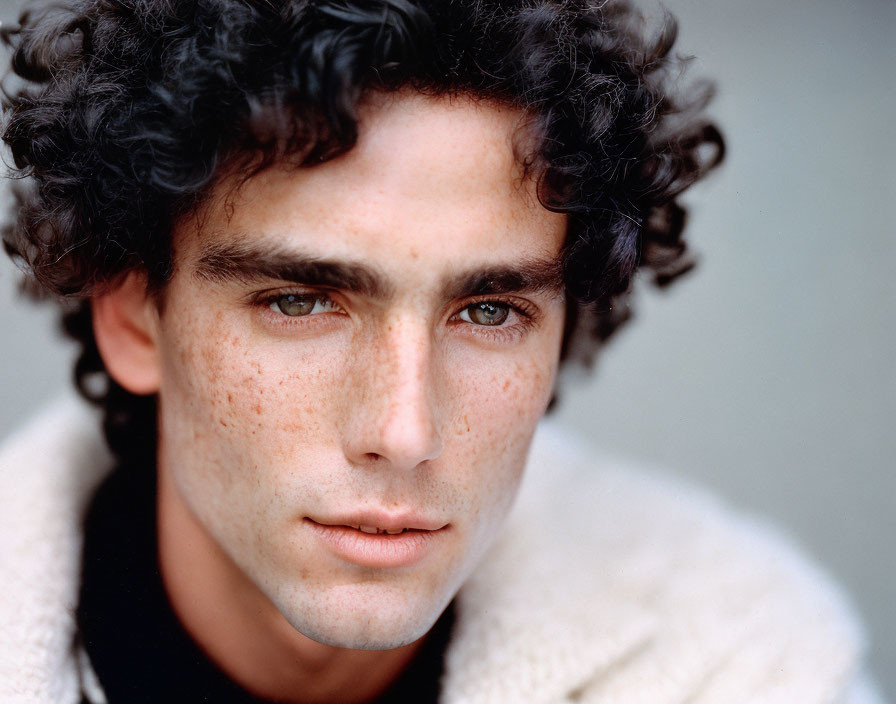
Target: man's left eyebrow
<point>541,275</point>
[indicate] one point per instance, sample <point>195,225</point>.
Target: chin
<point>363,617</point>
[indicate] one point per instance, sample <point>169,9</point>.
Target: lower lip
<point>377,549</point>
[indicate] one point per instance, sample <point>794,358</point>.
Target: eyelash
<point>524,311</point>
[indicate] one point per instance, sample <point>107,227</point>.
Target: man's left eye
<point>489,313</point>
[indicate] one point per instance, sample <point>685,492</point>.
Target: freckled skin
<point>384,404</point>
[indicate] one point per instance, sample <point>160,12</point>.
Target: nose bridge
<point>409,354</point>
<point>398,419</point>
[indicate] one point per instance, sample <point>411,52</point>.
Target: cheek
<point>505,392</point>
<point>498,409</point>
<point>499,397</point>
<point>244,399</point>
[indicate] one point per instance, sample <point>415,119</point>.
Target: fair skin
<point>359,347</point>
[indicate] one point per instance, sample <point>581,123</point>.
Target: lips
<point>378,541</point>
<point>381,522</point>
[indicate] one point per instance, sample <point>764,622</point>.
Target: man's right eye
<point>297,305</point>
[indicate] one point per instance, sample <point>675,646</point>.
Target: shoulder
<point>48,471</point>
<point>659,591</point>
<point>52,464</point>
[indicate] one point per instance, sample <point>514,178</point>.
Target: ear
<point>126,328</point>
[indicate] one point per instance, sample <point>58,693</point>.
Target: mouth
<point>373,530</point>
<point>378,544</point>
<point>380,522</point>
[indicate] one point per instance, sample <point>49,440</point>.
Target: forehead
<point>433,178</point>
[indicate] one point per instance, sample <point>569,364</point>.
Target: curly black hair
<point>125,112</point>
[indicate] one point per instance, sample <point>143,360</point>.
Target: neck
<point>242,632</point>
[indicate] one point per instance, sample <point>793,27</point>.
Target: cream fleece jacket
<point>610,584</point>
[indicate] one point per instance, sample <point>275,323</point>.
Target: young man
<point>324,260</point>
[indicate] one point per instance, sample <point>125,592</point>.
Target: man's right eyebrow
<point>250,262</point>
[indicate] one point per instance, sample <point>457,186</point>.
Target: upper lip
<point>382,521</point>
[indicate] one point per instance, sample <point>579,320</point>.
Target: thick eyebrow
<point>540,275</point>
<point>245,262</point>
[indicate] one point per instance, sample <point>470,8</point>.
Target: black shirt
<point>136,644</point>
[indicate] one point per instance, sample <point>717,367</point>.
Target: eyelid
<point>270,295</point>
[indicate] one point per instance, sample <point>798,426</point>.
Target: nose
<point>394,401</point>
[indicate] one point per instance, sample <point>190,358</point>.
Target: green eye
<point>486,313</point>
<point>297,305</point>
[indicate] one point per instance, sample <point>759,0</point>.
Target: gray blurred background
<point>768,373</point>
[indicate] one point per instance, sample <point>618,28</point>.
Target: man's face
<point>365,344</point>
